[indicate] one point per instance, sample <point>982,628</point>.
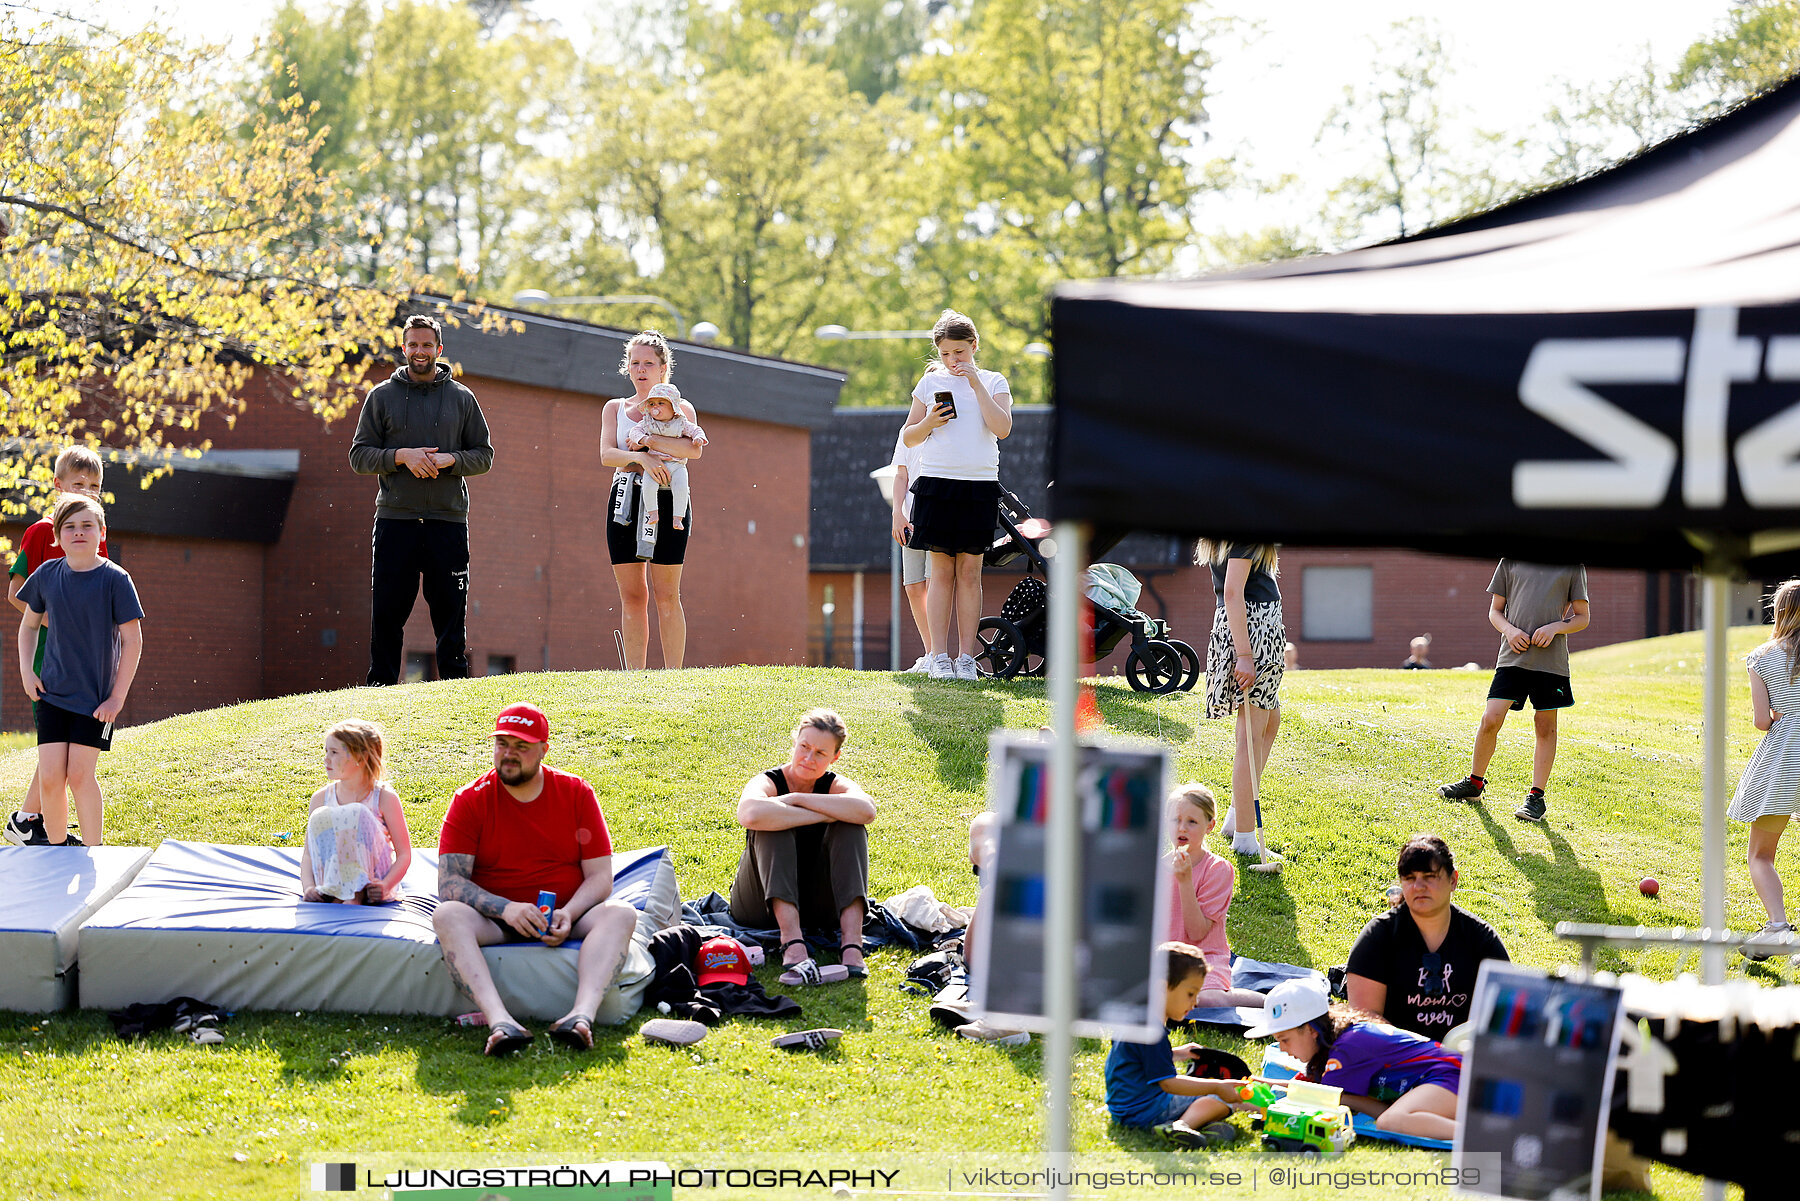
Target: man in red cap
<point>522,829</point>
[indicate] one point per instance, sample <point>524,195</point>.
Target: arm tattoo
<point>455,884</point>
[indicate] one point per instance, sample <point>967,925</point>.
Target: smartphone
<point>945,400</point>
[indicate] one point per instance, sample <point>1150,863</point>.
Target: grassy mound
<point>1353,774</point>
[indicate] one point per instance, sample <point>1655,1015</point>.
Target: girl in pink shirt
<point>1202,897</point>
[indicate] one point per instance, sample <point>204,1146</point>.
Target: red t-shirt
<point>39,545</point>
<point>521,847</point>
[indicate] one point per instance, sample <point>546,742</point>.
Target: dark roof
<point>576,356</point>
<point>850,524</point>
<point>227,495</point>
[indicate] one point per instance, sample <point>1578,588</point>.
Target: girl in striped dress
<point>1769,792</point>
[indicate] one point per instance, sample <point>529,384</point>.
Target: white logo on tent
<point>1640,459</point>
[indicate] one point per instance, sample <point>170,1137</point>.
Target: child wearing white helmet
<point>1408,1081</point>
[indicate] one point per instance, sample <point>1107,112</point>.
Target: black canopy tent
<point>1596,373</point>
<point>1606,372</point>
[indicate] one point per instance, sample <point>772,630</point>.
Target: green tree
<point>432,118</point>
<point>1059,148</point>
<point>1756,48</point>
<point>751,197</point>
<point>1594,126</point>
<point>1426,167</point>
<point>869,42</point>
<point>159,240</point>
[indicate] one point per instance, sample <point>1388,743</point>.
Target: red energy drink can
<point>546,905</point>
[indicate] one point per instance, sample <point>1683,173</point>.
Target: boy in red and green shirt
<point>79,470</point>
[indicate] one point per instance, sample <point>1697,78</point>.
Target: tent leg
<point>1717,608</point>
<point>1712,784</point>
<point>1062,869</point>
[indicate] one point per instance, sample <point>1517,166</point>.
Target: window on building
<point>1337,604</point>
<point>502,665</point>
<point>420,665</point>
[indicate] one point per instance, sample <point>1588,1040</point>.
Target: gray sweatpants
<point>821,870</point>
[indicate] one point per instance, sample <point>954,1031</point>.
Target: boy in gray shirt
<point>1535,607</point>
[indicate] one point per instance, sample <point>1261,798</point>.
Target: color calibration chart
<point>1537,1080</point>
<point>1119,789</point>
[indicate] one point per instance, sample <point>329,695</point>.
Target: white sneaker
<point>1228,830</point>
<point>920,666</point>
<point>980,1031</point>
<point>941,668</point>
<point>966,669</point>
<point>1770,930</point>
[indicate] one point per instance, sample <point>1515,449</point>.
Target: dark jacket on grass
<point>673,951</point>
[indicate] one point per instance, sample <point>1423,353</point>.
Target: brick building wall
<point>203,628</point>
<point>231,621</point>
<point>542,592</point>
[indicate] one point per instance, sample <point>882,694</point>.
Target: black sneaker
<point>69,840</point>
<point>1466,789</point>
<point>21,827</point>
<point>1533,808</point>
<point>1182,1135</point>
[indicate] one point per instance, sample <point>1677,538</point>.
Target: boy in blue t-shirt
<point>89,662</point>
<point>1142,1086</point>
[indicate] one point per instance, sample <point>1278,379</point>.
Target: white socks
<point>1245,843</point>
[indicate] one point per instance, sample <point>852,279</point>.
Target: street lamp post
<point>705,331</point>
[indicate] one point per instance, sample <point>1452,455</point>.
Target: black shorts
<point>621,540</point>
<point>512,935</point>
<point>60,725</point>
<point>954,517</point>
<point>1544,689</point>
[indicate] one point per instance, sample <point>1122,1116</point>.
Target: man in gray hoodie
<point>421,432</point>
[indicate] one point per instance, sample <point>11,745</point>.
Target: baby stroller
<point>1013,643</point>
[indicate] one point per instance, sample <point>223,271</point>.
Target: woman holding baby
<point>648,544</point>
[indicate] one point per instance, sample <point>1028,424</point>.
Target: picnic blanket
<point>1256,976</point>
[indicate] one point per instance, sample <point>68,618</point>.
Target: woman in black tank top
<point>806,852</point>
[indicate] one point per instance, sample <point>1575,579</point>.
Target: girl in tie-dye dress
<point>357,845</point>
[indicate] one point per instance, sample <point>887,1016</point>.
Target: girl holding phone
<point>959,414</point>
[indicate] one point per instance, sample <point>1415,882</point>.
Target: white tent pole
<point>1717,621</point>
<point>1062,868</point>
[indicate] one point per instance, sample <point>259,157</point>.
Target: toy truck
<point>1310,1118</point>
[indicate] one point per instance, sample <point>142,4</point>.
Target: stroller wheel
<point>1190,665</point>
<point>999,648</point>
<point>1154,666</point>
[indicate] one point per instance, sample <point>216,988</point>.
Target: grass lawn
<point>1354,773</point>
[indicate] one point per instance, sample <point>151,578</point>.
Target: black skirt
<point>621,540</point>
<point>954,517</point>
